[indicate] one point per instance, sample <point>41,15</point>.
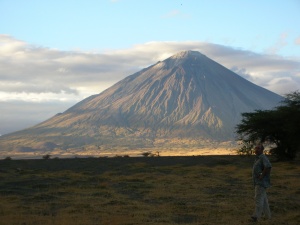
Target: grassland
<point>128,190</point>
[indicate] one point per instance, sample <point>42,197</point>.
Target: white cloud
<point>29,69</point>
<point>282,84</point>
<point>25,68</point>
<point>33,74</point>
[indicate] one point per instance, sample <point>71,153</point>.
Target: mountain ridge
<point>187,96</point>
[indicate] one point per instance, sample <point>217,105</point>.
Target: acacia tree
<point>280,126</point>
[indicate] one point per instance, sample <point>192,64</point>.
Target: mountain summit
<point>187,99</point>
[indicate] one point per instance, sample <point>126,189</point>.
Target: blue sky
<point>55,53</point>
<point>97,25</point>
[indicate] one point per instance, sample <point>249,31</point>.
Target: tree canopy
<point>280,127</point>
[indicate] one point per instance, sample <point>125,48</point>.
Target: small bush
<point>47,156</point>
<point>146,154</point>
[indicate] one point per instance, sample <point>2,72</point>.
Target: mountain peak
<point>186,54</point>
<point>187,100</point>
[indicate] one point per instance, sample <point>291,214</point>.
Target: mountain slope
<point>185,97</point>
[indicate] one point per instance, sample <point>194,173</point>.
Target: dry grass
<point>161,190</point>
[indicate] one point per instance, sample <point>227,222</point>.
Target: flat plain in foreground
<point>142,190</point>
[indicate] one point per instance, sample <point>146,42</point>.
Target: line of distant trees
<point>279,126</point>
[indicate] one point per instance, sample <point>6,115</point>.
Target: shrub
<point>47,156</point>
<point>146,154</point>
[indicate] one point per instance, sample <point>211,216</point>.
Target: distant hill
<point>187,100</point>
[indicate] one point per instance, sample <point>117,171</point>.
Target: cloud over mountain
<point>186,100</point>
<point>33,73</point>
<point>34,69</point>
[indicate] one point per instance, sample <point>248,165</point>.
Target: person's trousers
<point>261,203</point>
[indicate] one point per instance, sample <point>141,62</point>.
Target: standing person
<point>261,179</point>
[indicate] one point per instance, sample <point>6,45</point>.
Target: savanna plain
<point>143,190</point>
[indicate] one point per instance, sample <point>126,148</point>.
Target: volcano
<point>186,100</point>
